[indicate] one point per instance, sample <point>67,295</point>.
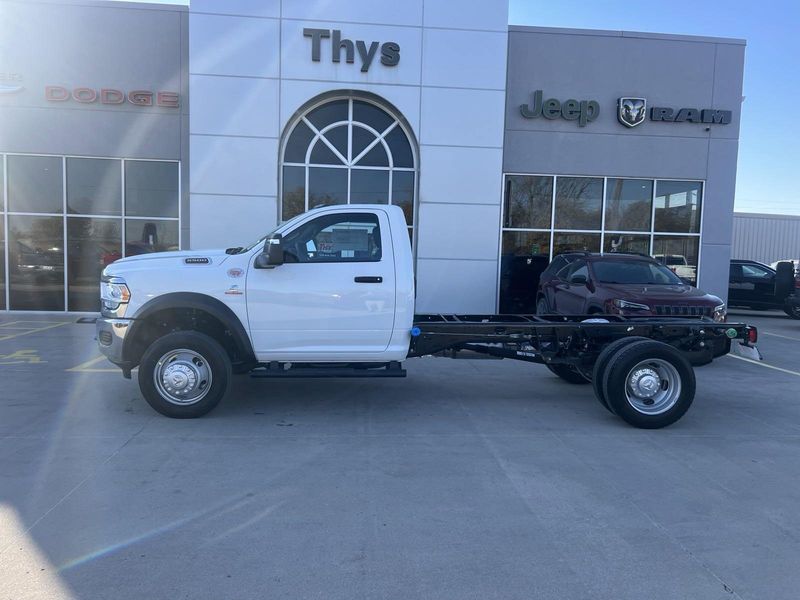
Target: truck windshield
<point>637,272</point>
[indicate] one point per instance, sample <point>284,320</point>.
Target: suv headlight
<point>625,305</point>
<point>114,295</point>
<point>720,313</point>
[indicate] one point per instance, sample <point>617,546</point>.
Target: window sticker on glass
<point>351,239</point>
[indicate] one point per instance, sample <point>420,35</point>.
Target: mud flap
<point>749,352</point>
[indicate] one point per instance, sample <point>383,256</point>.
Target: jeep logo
<point>390,51</point>
<point>582,111</point>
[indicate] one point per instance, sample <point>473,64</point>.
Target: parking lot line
<point>88,367</point>
<point>786,337</point>
<point>30,330</point>
<point>763,364</point>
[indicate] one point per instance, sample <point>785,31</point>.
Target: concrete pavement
<point>469,479</point>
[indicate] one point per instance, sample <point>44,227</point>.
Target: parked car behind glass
<point>624,284</point>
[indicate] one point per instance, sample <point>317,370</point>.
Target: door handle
<point>364,279</point>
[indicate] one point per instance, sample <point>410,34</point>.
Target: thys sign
<point>390,51</point>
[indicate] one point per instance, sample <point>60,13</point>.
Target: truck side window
<point>755,272</point>
<point>349,237</point>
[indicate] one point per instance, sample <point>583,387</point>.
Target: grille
<point>667,310</point>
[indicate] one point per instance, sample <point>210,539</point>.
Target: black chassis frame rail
<point>573,340</point>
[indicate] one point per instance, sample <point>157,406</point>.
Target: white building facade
<point>435,74</point>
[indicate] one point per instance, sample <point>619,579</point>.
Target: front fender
<point>188,301</point>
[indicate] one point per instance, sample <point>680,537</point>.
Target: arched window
<point>347,151</point>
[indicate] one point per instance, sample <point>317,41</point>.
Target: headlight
<point>625,305</point>
<point>720,313</point>
<point>114,294</point>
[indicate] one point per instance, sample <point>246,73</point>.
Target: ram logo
<point>631,111</point>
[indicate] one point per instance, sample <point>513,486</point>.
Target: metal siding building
<point>766,238</point>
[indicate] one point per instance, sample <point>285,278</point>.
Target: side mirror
<point>272,256</point>
<point>578,279</point>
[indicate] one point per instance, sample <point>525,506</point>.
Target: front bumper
<point>111,339</point>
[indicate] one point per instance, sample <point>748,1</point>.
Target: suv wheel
<point>793,311</point>
<point>184,374</point>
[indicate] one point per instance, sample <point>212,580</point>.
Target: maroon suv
<point>632,285</point>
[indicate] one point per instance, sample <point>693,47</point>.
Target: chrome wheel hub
<point>182,377</point>
<point>653,386</point>
<point>645,383</point>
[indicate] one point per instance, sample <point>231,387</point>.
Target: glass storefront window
<point>677,206</point>
<point>41,261</point>
<point>151,188</point>
<point>294,192</point>
<point>526,243</point>
<point>143,236</point>
<point>528,202</point>
<point>35,184</point>
<point>623,242</point>
<point>575,242</point>
<point>94,186</point>
<point>629,204</point>
<point>347,151</point>
<point>403,193</point>
<point>36,262</point>
<point>679,253</point>
<point>326,186</point>
<point>297,144</point>
<point>369,186</point>
<point>91,245</point>
<point>579,203</point>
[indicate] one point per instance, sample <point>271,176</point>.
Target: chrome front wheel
<point>184,374</point>
<point>182,377</point>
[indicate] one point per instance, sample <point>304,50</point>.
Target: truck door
<point>333,299</point>
<point>757,286</point>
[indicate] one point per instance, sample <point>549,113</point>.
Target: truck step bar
<point>281,370</point>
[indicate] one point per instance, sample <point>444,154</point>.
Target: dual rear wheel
<point>648,384</point>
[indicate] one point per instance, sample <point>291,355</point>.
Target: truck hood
<point>665,293</point>
<point>178,258</point>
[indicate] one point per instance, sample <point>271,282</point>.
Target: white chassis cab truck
<point>330,293</point>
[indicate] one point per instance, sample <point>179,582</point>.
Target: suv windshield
<point>635,272</point>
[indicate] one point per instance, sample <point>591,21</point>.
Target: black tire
<point>792,311</point>
<point>568,373</point>
<point>675,391</point>
<point>212,365</point>
<point>542,307</point>
<point>602,362</point>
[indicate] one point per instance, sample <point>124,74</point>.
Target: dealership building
<point>128,128</point>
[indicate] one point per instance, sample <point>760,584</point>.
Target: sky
<point>769,141</point>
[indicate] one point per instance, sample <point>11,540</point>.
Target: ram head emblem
<point>631,111</point>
